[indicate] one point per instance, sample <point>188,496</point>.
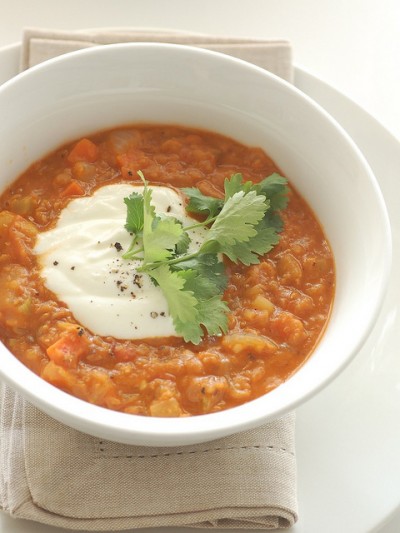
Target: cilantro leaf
<point>236,221</point>
<point>200,285</point>
<point>213,315</point>
<point>274,187</point>
<point>190,331</point>
<point>182,245</point>
<point>207,289</point>
<point>160,234</point>
<point>235,184</point>
<point>202,204</point>
<point>207,265</point>
<point>249,252</point>
<point>189,308</point>
<point>181,303</point>
<point>135,216</point>
<point>243,226</point>
<point>159,243</point>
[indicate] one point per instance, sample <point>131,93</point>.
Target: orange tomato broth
<point>279,308</point>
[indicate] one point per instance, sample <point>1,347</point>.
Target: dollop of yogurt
<point>81,262</point>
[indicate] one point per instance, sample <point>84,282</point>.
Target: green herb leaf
<point>207,265</point>
<point>160,234</point>
<point>235,184</point>
<point>199,203</point>
<point>274,187</point>
<point>199,284</point>
<point>189,308</point>
<point>243,226</point>
<point>134,216</point>
<point>182,245</point>
<point>159,242</point>
<point>213,315</point>
<point>235,223</point>
<point>249,252</point>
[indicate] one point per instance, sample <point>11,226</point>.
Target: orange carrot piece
<point>73,189</point>
<point>84,150</point>
<point>68,349</point>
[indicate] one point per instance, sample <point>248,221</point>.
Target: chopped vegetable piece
<point>84,150</point>
<point>73,189</point>
<point>67,350</point>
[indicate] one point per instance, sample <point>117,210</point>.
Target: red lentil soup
<point>279,308</point>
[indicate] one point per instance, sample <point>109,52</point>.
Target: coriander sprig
<point>243,226</point>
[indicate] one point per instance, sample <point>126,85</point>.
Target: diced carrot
<point>68,349</point>
<point>73,189</point>
<point>130,162</point>
<point>84,150</point>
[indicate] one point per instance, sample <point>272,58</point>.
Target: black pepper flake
<point>137,280</point>
<point>169,208</point>
<point>162,313</point>
<point>118,246</point>
<point>55,263</point>
<point>80,331</point>
<point>154,314</point>
<point>130,173</point>
<point>72,268</point>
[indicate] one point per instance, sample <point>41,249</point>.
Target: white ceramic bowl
<point>102,87</point>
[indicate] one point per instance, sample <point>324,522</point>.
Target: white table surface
<point>354,45</point>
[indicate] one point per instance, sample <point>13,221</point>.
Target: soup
<point>78,309</point>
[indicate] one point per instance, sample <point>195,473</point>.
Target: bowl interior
<point>87,91</point>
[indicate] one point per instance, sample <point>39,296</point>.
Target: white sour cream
<point>81,260</point>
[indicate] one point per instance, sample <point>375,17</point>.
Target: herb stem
<point>173,261</point>
<point>199,224</point>
<point>130,253</point>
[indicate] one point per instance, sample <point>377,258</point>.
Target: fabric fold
<point>53,474</point>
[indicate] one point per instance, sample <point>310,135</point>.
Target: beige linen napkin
<point>273,55</point>
<point>53,474</point>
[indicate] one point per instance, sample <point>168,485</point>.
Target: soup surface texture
<point>62,241</point>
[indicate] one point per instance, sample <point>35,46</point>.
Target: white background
<point>354,45</point>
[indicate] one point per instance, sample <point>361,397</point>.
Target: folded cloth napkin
<point>55,475</point>
<point>273,55</point>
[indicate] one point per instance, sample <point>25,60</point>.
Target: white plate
<point>348,437</point>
